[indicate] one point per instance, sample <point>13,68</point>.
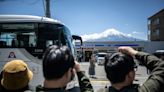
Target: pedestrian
<point>120,70</point>
<point>59,68</point>
<point>15,77</point>
<point>92,66</point>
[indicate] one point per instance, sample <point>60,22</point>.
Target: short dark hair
<point>117,66</point>
<point>56,62</point>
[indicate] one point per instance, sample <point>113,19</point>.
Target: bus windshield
<point>31,35</point>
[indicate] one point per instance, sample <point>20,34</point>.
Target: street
<point>101,81</point>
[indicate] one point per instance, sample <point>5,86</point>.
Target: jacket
<point>155,82</point>
<point>84,83</point>
<point>2,89</point>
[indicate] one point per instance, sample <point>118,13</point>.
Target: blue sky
<point>87,17</point>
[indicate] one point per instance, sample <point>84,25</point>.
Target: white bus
<point>26,37</point>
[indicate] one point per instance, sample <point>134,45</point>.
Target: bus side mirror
<point>75,37</point>
<point>80,49</point>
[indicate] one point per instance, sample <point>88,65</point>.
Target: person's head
<point>57,61</point>
<point>16,75</point>
<point>119,67</point>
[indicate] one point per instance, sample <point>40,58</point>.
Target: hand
<point>77,66</point>
<point>127,50</point>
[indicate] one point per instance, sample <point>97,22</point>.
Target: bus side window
<point>2,44</point>
<point>14,43</point>
<point>21,43</point>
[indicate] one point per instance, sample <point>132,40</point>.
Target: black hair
<point>117,66</point>
<point>56,62</point>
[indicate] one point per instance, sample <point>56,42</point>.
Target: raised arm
<point>85,84</point>
<point>155,82</point>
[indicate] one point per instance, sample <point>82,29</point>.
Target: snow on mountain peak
<point>106,34</point>
<point>112,32</point>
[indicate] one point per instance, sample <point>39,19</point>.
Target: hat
<point>16,75</point>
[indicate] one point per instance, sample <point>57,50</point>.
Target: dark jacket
<point>25,89</point>
<point>154,83</point>
<point>84,83</point>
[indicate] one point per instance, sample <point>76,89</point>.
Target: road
<point>102,81</point>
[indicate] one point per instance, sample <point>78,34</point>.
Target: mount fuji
<point>109,35</point>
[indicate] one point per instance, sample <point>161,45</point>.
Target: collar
<point>40,88</point>
<point>130,88</point>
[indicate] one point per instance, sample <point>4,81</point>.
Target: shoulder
<point>131,88</point>
<point>40,88</point>
<point>135,85</point>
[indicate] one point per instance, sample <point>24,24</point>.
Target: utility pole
<point>48,13</point>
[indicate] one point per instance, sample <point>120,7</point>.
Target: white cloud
<point>129,35</point>
<point>135,32</point>
<point>104,34</point>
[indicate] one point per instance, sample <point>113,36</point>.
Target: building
<point>111,47</point>
<point>156,26</point>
